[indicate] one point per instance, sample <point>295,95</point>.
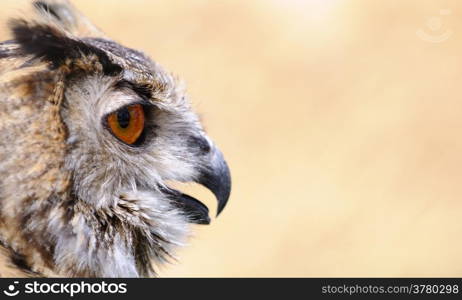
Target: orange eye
<point>127,123</point>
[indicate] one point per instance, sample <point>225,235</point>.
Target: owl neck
<point>68,237</point>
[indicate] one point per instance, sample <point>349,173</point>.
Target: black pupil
<point>123,117</point>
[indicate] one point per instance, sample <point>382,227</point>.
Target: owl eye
<point>127,123</point>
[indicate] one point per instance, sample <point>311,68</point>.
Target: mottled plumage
<point>74,199</point>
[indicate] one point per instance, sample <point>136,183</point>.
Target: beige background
<point>341,121</point>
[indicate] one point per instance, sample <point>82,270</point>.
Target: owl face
<point>118,127</point>
<point>146,133</point>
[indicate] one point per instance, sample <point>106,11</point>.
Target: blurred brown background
<point>341,121</point>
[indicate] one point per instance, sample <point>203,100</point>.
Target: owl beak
<point>197,212</point>
<point>216,177</point>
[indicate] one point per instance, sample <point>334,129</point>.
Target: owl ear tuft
<point>57,11</point>
<point>49,43</point>
<point>63,14</point>
<point>41,41</point>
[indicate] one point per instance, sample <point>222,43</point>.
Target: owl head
<point>90,134</point>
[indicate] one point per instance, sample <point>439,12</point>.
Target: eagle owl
<point>90,132</point>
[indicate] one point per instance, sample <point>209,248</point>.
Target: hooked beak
<point>216,177</point>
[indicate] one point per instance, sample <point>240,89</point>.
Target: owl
<point>90,134</point>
